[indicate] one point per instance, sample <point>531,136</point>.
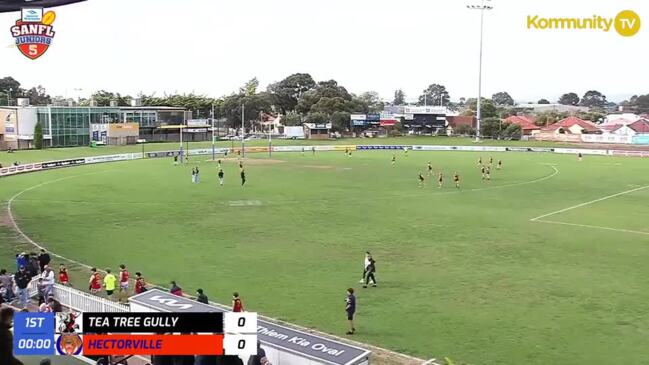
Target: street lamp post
<point>482,7</point>
<point>213,146</point>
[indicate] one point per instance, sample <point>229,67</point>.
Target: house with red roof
<point>454,121</point>
<point>572,125</point>
<point>623,127</point>
<point>526,122</point>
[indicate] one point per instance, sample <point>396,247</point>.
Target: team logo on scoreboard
<point>69,344</point>
<point>69,322</point>
<point>33,32</point>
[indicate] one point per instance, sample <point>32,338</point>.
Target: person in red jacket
<point>95,281</point>
<point>123,283</point>
<point>175,289</point>
<point>237,304</point>
<point>64,279</point>
<point>140,284</point>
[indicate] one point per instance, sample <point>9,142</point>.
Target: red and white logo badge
<point>33,32</point>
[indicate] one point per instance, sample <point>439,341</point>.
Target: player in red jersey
<point>64,279</point>
<point>123,282</point>
<point>140,284</point>
<point>237,304</point>
<point>95,281</point>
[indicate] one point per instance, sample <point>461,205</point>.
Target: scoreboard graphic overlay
<point>73,333</point>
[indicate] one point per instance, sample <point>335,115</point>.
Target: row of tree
<point>301,99</point>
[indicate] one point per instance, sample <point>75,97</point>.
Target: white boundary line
<point>308,330</point>
<point>540,219</point>
<point>597,227</point>
<point>588,203</point>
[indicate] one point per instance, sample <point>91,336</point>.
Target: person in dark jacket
<point>33,268</point>
<point>43,259</point>
<point>201,297</point>
<point>22,279</point>
<point>369,273</point>
<point>7,338</point>
<point>260,358</point>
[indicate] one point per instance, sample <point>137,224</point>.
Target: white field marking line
<point>596,227</point>
<point>556,171</point>
<point>308,330</point>
<point>20,231</point>
<point>588,203</point>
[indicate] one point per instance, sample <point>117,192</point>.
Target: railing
<point>84,302</point>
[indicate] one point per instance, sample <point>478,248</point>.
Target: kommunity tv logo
<point>626,23</point>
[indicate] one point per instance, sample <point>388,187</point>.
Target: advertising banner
<point>12,170</point>
<point>111,158</point>
<point>63,163</point>
<point>358,122</point>
<point>160,154</point>
<point>580,150</point>
<point>640,139</point>
<point>628,153</point>
<point>371,147</point>
<point>433,148</point>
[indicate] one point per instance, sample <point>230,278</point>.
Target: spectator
<point>183,360</point>
<point>110,282</point>
<point>237,304</point>
<point>33,268</point>
<point>3,294</point>
<point>44,308</point>
<point>22,260</point>
<point>54,305</point>
<point>175,289</point>
<point>230,360</point>
<point>64,279</point>
<point>260,358</point>
<point>6,337</point>
<point>201,297</point>
<point>40,287</point>
<point>48,281</point>
<point>43,259</point>
<point>94,284</point>
<point>123,283</point>
<point>140,284</point>
<point>22,280</point>
<point>206,360</point>
<point>8,282</point>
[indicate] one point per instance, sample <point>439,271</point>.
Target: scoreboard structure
<point>135,333</point>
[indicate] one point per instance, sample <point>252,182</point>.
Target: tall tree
<point>289,90</point>
<point>399,97</point>
<point>9,88</point>
<point>502,98</point>
<point>250,87</point>
<point>372,100</point>
<point>569,99</point>
<point>434,94</point>
<point>38,136</point>
<point>487,108</point>
<point>642,104</point>
<point>38,96</point>
<point>594,99</point>
<point>543,101</point>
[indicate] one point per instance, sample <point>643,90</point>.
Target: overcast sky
<point>213,46</point>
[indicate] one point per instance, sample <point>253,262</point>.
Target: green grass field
<point>462,273</point>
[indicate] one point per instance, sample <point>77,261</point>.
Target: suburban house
<point>567,130</point>
<point>526,122</point>
<point>454,121</point>
<point>625,127</point>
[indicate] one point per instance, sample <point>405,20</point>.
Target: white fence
<point>80,301</point>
